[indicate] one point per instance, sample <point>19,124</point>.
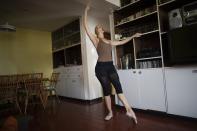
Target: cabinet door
<point>74,86</point>
<point>181,85</point>
<point>151,85</point>
<point>68,86</point>
<point>60,87</point>
<point>128,81</point>
<point>70,82</point>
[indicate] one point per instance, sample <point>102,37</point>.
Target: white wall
<point>92,86</point>
<point>115,2</point>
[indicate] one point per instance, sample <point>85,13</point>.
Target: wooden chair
<point>50,87</point>
<point>8,90</point>
<point>22,90</point>
<point>34,88</point>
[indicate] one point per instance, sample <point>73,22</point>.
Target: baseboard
<point>94,101</point>
<point>158,113</point>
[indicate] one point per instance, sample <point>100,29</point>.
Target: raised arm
<point>91,36</point>
<point>122,42</point>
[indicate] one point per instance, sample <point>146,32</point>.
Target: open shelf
<point>149,33</point>
<point>138,20</point>
<point>135,6</point>
<point>164,33</point>
<point>149,58</point>
<point>173,4</point>
<point>125,54</point>
<point>145,34</point>
<point>147,47</point>
<point>150,63</point>
<point>167,3</point>
<point>140,16</point>
<point>147,28</point>
<point>127,14</point>
<point>168,6</point>
<point>129,5</point>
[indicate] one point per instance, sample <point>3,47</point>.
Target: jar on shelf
<point>118,36</point>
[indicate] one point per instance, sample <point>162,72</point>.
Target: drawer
<point>72,76</point>
<point>74,82</point>
<point>71,71</point>
<point>75,69</point>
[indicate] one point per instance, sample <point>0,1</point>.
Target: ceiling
<point>48,15</point>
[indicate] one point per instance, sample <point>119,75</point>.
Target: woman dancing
<point>105,70</point>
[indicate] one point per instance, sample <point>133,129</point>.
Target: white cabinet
<point>70,82</point>
<point>74,87</point>
<point>144,88</point>
<point>130,88</point>
<point>181,85</point>
<point>60,87</point>
<point>151,85</point>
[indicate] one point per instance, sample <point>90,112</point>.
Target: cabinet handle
<point>194,71</point>
<point>134,72</point>
<point>140,72</point>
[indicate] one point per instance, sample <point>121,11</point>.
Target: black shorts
<point>107,75</point>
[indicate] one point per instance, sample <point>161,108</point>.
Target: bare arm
<point>122,42</point>
<point>91,36</point>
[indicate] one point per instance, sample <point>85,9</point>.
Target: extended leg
<point>116,82</point>
<point>129,110</point>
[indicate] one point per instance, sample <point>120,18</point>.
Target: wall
<point>92,86</point>
<point>115,2</point>
<point>25,51</point>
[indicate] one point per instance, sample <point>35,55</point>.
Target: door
<point>60,87</point>
<point>181,85</point>
<point>151,86</point>
<point>60,84</point>
<point>128,81</point>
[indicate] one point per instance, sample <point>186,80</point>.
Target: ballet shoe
<point>132,116</point>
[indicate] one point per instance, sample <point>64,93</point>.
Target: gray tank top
<point>104,52</point>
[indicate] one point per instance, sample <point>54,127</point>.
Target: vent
<point>7,28</point>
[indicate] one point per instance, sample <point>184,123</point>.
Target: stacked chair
<point>8,91</point>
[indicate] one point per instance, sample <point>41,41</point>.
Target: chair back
<point>34,84</point>
<point>8,88</point>
<point>54,79</point>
